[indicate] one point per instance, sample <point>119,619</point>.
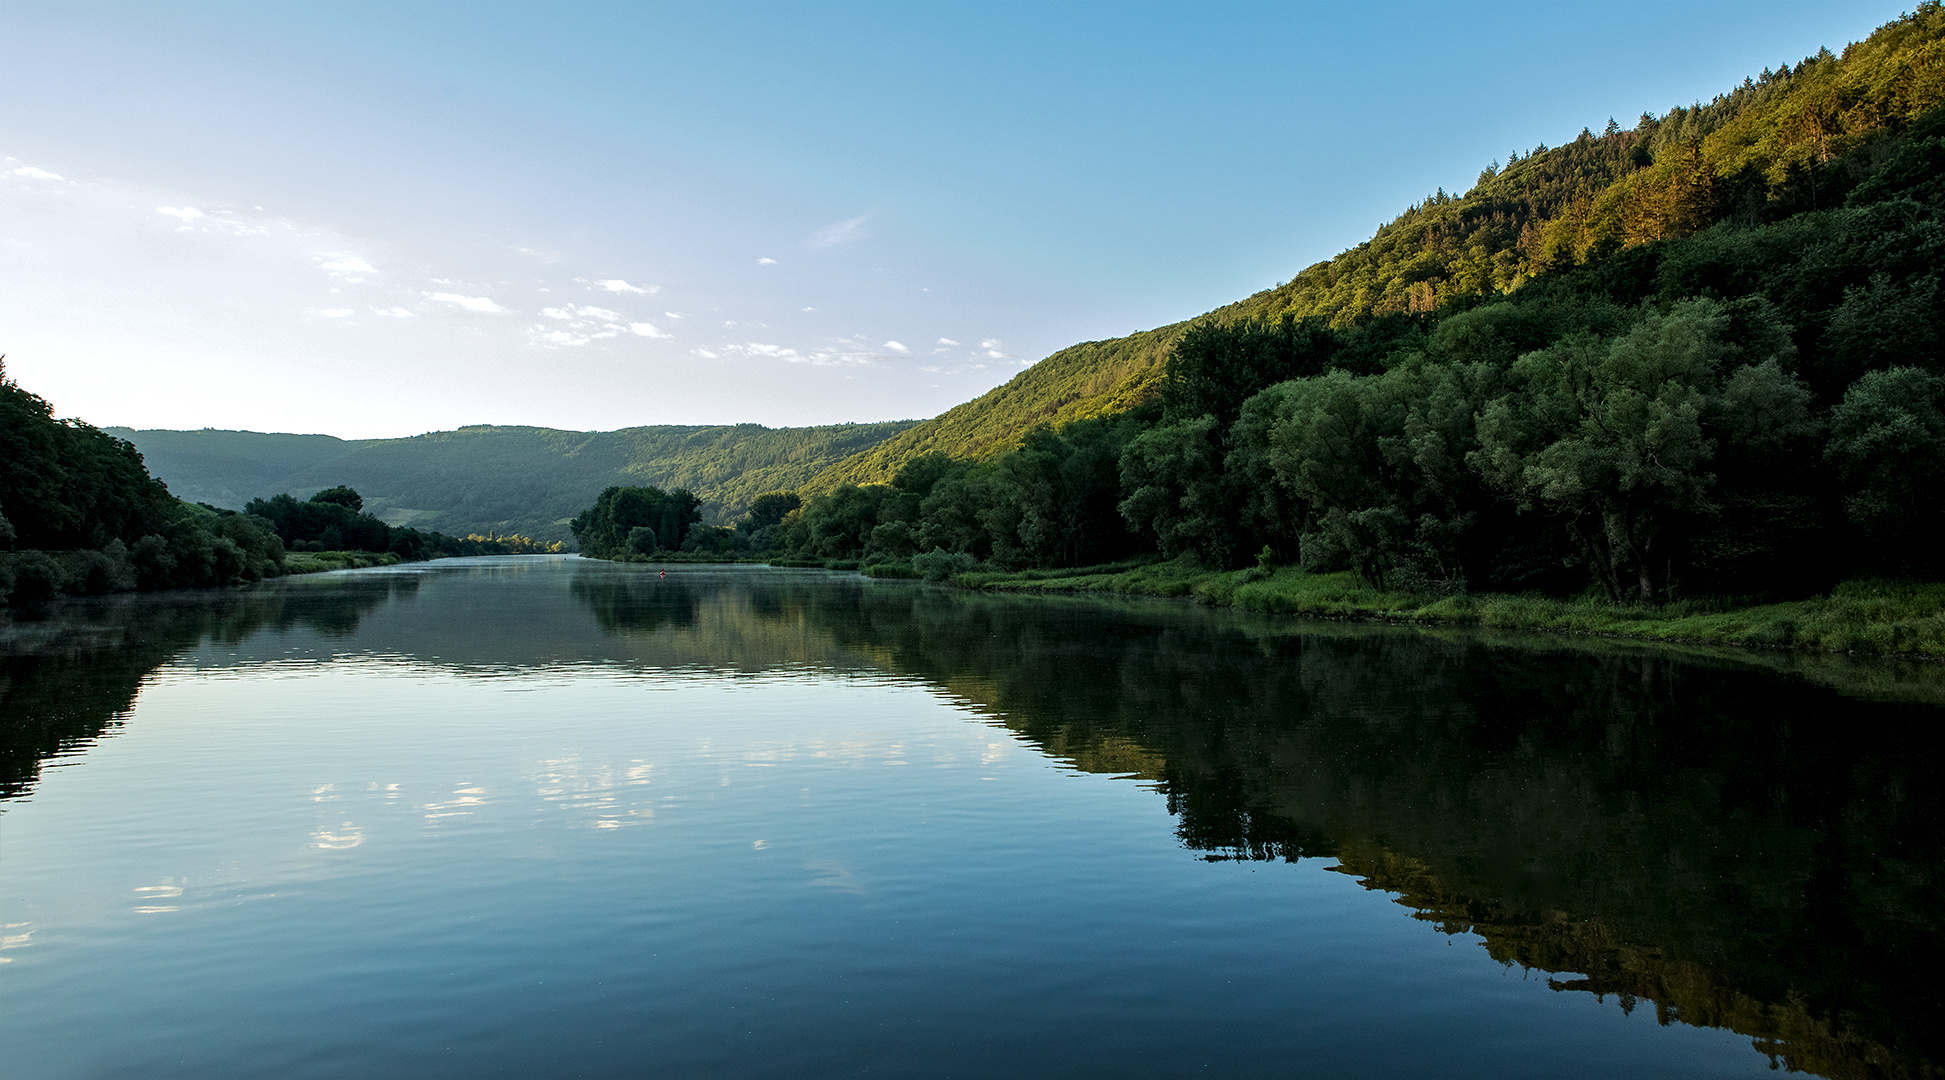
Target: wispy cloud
<point>841,232</point>
<point>346,264</point>
<point>619,286</point>
<point>775,352</point>
<point>580,311</point>
<point>395,313</point>
<point>841,352</point>
<point>583,323</point>
<point>481,304</point>
<point>766,261</point>
<point>996,349</point>
<point>897,347</point>
<point>36,174</point>
<point>186,213</point>
<point>947,341</point>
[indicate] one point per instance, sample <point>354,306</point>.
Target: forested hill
<point>482,479</point>
<point>1094,378</point>
<point>1788,141</point>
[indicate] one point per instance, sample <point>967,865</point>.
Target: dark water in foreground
<point>547,818</point>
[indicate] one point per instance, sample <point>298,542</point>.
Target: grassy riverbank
<point>1878,617</point>
<point>316,562</point>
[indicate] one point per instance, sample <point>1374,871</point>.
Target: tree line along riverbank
<point>1880,617</point>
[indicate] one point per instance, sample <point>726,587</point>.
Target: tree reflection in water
<point>1738,844</point>
<point>69,674</point>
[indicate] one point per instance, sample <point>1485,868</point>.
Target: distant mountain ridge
<point>1789,140</point>
<point>486,478</point>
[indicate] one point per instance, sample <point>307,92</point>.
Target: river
<point>548,817</point>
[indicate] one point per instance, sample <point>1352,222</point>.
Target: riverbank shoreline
<point>1892,619</point>
<point>318,562</point>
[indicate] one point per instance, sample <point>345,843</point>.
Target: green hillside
<point>527,480</point>
<point>1784,142</point>
<point>1094,378</point>
<point>229,468</point>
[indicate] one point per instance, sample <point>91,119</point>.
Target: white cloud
<point>842,352</point>
<point>585,323</point>
<point>470,303</point>
<point>840,232</point>
<point>186,213</point>
<point>897,348</point>
<point>618,285</point>
<point>996,349</point>
<point>706,354</point>
<point>810,309</point>
<point>775,352</point>
<point>766,261</point>
<point>673,315</point>
<point>336,313</point>
<point>396,313</point>
<point>37,174</point>
<point>577,311</point>
<point>947,341</point>
<point>348,264</point>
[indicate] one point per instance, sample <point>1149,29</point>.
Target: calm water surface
<point>552,818</point>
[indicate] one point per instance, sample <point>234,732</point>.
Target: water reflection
<point>1742,850</point>
<point>70,674</point>
<point>1728,840</point>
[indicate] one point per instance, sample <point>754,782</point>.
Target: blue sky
<point>385,219</point>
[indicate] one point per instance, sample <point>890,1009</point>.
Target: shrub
<point>939,564</point>
<point>37,576</point>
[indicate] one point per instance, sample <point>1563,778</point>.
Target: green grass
<point>1877,617</point>
<point>816,564</point>
<point>891,570</point>
<point>671,557</point>
<point>316,562</point>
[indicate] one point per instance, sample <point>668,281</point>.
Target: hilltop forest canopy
<point>1703,354</point>
<point>1791,141</point>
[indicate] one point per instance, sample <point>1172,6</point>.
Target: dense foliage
<point>80,515</point>
<point>1799,139</point>
<point>1756,407</point>
<point>334,520</point>
<point>637,522</point>
<point>501,480</point>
